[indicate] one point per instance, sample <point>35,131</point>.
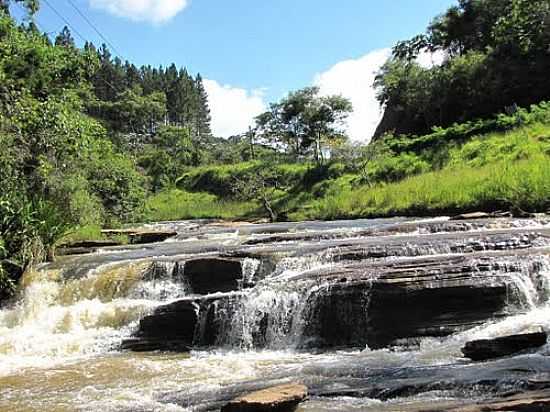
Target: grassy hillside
<point>498,170</point>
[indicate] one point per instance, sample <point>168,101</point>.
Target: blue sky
<point>255,51</point>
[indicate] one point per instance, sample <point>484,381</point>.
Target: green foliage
<point>172,151</point>
<point>496,56</point>
<point>523,185</point>
<point>58,170</point>
<point>391,168</point>
<point>304,121</point>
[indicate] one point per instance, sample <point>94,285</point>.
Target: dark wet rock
<point>144,237</point>
<point>181,325</point>
<point>14,272</point>
<point>495,378</point>
<point>473,215</point>
<point>530,401</point>
<point>152,344</point>
<point>380,306</point>
<point>211,275</point>
<point>485,349</point>
<point>170,327</point>
<point>13,269</point>
<point>489,380</point>
<point>281,398</point>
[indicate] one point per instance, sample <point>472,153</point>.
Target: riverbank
<point>494,171</point>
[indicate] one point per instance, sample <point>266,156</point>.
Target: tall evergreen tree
<point>203,118</point>
<point>65,38</point>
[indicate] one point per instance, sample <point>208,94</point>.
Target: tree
<point>261,187</point>
<point>32,6</point>
<point>65,38</point>
<point>304,120</point>
<point>202,125</point>
<point>497,56</point>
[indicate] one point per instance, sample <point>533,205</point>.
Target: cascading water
<point>69,329</point>
<point>56,320</point>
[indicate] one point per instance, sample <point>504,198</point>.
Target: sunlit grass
<point>176,204</point>
<point>524,184</point>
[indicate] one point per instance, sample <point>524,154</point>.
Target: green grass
<point>495,171</point>
<point>523,184</point>
<point>176,204</point>
<point>91,232</point>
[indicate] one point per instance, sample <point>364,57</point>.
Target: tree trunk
<point>269,209</point>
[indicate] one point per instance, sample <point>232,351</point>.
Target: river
<point>60,340</point>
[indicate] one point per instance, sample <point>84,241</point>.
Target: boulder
<point>480,350</point>
<point>278,398</point>
<point>211,275</point>
<point>184,324</point>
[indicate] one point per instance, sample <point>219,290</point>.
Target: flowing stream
<point>60,340</point>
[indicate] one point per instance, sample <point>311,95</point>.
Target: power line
<point>65,20</point>
<point>35,21</point>
<point>78,34</point>
<point>93,26</point>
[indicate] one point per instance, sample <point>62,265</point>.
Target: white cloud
<point>233,109</point>
<point>354,79</point>
<point>156,11</point>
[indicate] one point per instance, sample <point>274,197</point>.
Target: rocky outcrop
<point>281,398</point>
<point>480,350</point>
<point>182,325</point>
<point>154,236</point>
<point>169,328</point>
<point>211,275</point>
<point>532,401</point>
<point>430,297</point>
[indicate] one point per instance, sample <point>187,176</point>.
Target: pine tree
<point>65,38</point>
<point>202,116</point>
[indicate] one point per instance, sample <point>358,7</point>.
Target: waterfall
<point>55,319</point>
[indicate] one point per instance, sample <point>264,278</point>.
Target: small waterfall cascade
<point>56,319</point>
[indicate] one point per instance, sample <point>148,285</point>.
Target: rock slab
<point>278,398</point>
<point>213,275</point>
<point>480,350</point>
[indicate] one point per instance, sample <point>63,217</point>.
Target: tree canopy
<point>497,55</point>
<point>304,121</point>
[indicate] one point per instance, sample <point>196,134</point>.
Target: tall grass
<point>523,184</point>
<point>176,204</point>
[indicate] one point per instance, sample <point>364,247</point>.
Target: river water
<point>60,339</point>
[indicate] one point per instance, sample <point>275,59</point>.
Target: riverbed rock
<point>184,324</point>
<point>170,327</point>
<point>427,297</point>
<point>480,350</point>
<point>529,401</point>
<point>473,215</point>
<point>211,275</point>
<point>281,398</point>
